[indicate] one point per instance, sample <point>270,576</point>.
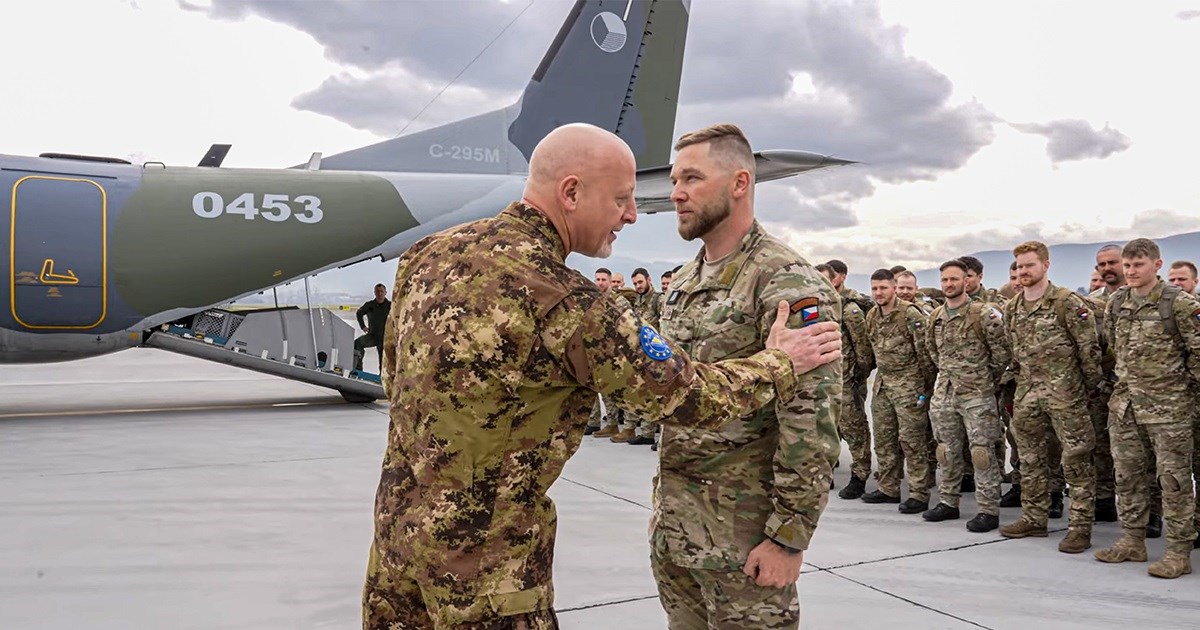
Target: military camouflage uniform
<point>853,426</point>
<point>495,351</point>
<point>968,346</point>
<point>646,307</point>
<point>720,492</point>
<point>1102,459</point>
<point>903,381</point>
<point>1056,356</point>
<point>1152,409</point>
<point>987,296</point>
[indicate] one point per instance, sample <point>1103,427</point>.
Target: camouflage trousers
<point>1037,416</point>
<point>902,439</point>
<point>1004,400</point>
<point>608,416</point>
<point>394,600</point>
<point>698,599</point>
<point>1172,443</point>
<point>1102,459</point>
<point>640,426</point>
<point>852,426</point>
<point>972,421</point>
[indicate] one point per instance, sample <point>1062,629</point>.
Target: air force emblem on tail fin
<point>808,308</point>
<point>654,345</point>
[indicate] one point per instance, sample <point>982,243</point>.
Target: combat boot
<point>1077,541</point>
<point>1056,505</point>
<point>608,431</point>
<point>1154,527</point>
<point>1172,565</point>
<point>590,430</point>
<point>879,496</point>
<point>1012,498</point>
<point>913,506</point>
<point>941,512</point>
<point>1022,528</point>
<point>624,435</point>
<point>1106,510</point>
<point>983,523</point>
<point>1126,549</point>
<point>640,440</point>
<point>854,488</point>
<point>968,484</point>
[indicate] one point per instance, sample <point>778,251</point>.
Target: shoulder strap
<point>975,317</point>
<point>1062,304</point>
<point>1114,303</point>
<point>1166,312</point>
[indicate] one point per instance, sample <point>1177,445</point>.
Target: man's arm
<point>999,353</point>
<point>855,323</point>
<point>1082,329</point>
<point>1187,320</point>
<point>917,324</point>
<point>808,439</point>
<point>361,313</point>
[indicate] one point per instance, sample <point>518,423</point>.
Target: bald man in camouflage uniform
<point>735,507</point>
<point>1154,331</point>
<point>966,342</point>
<point>495,352</point>
<point>1056,357</point>
<point>899,407</point>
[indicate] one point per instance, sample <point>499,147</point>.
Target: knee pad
<point>981,456</point>
<point>940,453</point>
<point>1169,483</point>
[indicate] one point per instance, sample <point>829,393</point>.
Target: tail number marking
<point>210,205</point>
<point>468,154</point>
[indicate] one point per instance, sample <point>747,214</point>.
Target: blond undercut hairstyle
<point>1037,247</point>
<point>729,145</point>
<point>1141,247</point>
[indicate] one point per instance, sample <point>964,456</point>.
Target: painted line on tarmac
<point>603,604</point>
<point>198,466</point>
<point>910,601</point>
<point>609,494</point>
<point>917,554</point>
<point>137,410</point>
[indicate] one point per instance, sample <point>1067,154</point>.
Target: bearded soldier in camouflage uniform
<point>1056,356</point>
<point>495,351</point>
<point>903,382</point>
<point>856,367</point>
<point>1154,332</point>
<point>966,342</point>
<point>736,507</point>
<point>646,307</point>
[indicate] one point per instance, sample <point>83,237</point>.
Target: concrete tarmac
<point>150,490</point>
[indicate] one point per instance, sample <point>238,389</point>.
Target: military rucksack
<point>864,303</point>
<point>1166,312</point>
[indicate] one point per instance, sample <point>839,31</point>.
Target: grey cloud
<point>1077,140</point>
<point>1158,223</point>
<point>1188,15</point>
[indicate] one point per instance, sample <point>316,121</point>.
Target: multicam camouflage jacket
<point>719,492</point>
<point>968,346</point>
<point>1054,344</point>
<point>495,351</point>
<point>1156,368</point>
<point>897,344</point>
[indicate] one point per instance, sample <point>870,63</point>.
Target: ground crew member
<point>375,313</point>
<point>496,350</point>
<point>1154,330</point>
<point>736,506</point>
<point>966,342</point>
<point>1056,357</point>
<point>903,382</point>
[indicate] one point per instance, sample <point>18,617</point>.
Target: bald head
<point>582,177</point>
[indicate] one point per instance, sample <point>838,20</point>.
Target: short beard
<point>706,218</point>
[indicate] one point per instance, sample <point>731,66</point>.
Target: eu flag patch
<point>654,345</point>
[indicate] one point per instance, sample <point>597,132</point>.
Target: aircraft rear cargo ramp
<point>308,345</point>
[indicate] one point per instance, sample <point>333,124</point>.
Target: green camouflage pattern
<point>853,426</point>
<point>719,492</point>
<point>1170,444</point>
<point>495,352</point>
<point>971,353</point>
<point>900,420</point>
<point>647,307</point>
<point>1057,362</point>
<point>702,599</point>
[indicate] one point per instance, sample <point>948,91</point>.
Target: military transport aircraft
<point>101,254</point>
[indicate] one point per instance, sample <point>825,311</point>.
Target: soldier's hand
<point>772,566</point>
<point>809,347</point>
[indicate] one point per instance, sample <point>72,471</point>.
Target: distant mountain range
<point>1070,266</point>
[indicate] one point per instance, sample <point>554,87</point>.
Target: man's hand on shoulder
<point>809,347</point>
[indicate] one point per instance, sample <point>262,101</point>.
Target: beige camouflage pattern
<point>1102,459</point>
<point>697,599</point>
<point>495,352</point>
<point>1153,409</point>
<point>853,426</point>
<point>968,346</point>
<point>719,492</point>
<point>1056,357</point>
<point>899,416</point>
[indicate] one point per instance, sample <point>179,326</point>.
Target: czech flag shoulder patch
<point>809,309</point>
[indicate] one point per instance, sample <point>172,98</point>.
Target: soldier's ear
<point>568,192</point>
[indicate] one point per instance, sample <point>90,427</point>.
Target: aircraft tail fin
<point>615,64</point>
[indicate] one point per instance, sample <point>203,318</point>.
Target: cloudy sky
<point>977,124</point>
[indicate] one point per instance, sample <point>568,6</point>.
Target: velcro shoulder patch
<point>809,309</point>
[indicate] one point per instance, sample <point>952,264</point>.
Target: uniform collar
<point>1045,301</point>
<point>536,223</point>
<point>723,279</point>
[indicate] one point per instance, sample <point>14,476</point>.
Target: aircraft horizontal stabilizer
<point>654,184</point>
